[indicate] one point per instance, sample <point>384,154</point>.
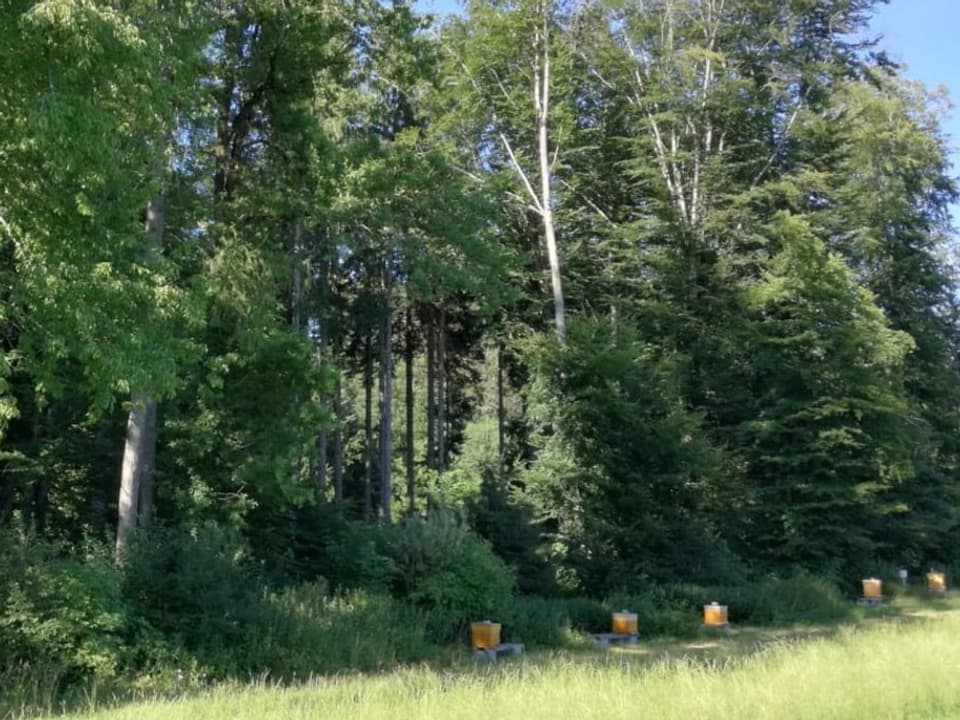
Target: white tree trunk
<point>134,452</point>
<point>147,476</point>
<point>386,399</point>
<point>541,94</point>
<point>409,405</point>
<point>135,503</point>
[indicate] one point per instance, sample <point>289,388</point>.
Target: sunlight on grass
<point>906,669</point>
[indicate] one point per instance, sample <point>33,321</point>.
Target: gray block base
<point>720,628</point>
<point>604,640</point>
<point>491,654</point>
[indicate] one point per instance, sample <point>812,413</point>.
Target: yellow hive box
<point>485,635</point>
<point>714,614</point>
<point>936,581</point>
<point>872,588</point>
<point>624,623</point>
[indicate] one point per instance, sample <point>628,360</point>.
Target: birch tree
<point>504,59</point>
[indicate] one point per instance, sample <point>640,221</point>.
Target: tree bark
<point>337,451</point>
<point>386,397</point>
<point>541,94</point>
<point>368,431</point>
<point>139,451</point>
<point>322,341</point>
<point>147,480</point>
<point>322,452</point>
<point>442,391</point>
<point>134,453</point>
<point>296,301</point>
<point>500,407</point>
<point>408,442</point>
<point>431,458</point>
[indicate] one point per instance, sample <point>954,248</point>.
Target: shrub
<point>657,614</point>
<point>503,516</point>
<point>444,568</point>
<point>197,586</point>
<point>553,622</point>
<point>354,559</point>
<point>798,598</point>
<point>61,611</point>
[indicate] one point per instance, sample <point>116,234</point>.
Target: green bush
<point>536,621</point>
<point>196,586</point>
<point>552,622</point>
<point>354,559</point>
<point>798,598</point>
<point>657,614</point>
<point>443,568</point>
<point>802,598</point>
<point>64,612</point>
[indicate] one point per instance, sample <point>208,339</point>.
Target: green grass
<point>902,664</point>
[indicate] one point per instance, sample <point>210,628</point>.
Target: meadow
<point>899,663</point>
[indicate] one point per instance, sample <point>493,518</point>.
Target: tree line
<point>648,291</point>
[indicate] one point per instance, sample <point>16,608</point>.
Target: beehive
<point>714,614</point>
<point>624,623</point>
<point>872,588</point>
<point>484,635</point>
<point>936,581</point>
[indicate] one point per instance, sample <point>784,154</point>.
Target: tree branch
<point>521,173</point>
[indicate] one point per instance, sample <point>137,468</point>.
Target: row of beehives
<point>873,587</point>
<point>623,626</point>
<point>486,635</point>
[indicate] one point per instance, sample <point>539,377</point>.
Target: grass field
<point>903,666</point>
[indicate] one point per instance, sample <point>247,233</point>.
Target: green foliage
<point>354,559</point>
<point>552,621</point>
<point>443,567</point>
<point>799,598</point>
<point>828,433</point>
<point>62,611</point>
<point>202,591</point>
<point>760,373</point>
<point>506,518</point>
<point>636,463</point>
<point>198,586</point>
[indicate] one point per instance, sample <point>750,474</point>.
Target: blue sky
<point>922,34</point>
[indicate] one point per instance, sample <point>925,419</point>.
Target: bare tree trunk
<point>541,95</point>
<point>322,341</point>
<point>337,451</point>
<point>409,455</point>
<point>131,474</point>
<point>500,409</point>
<point>147,480</point>
<point>442,391</point>
<point>297,291</point>
<point>368,431</point>
<point>7,493</point>
<point>322,443</point>
<point>431,386</point>
<point>139,451</point>
<point>386,397</point>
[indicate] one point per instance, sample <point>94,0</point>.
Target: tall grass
<point>906,671</point>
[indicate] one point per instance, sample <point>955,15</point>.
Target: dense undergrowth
<point>185,608</point>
